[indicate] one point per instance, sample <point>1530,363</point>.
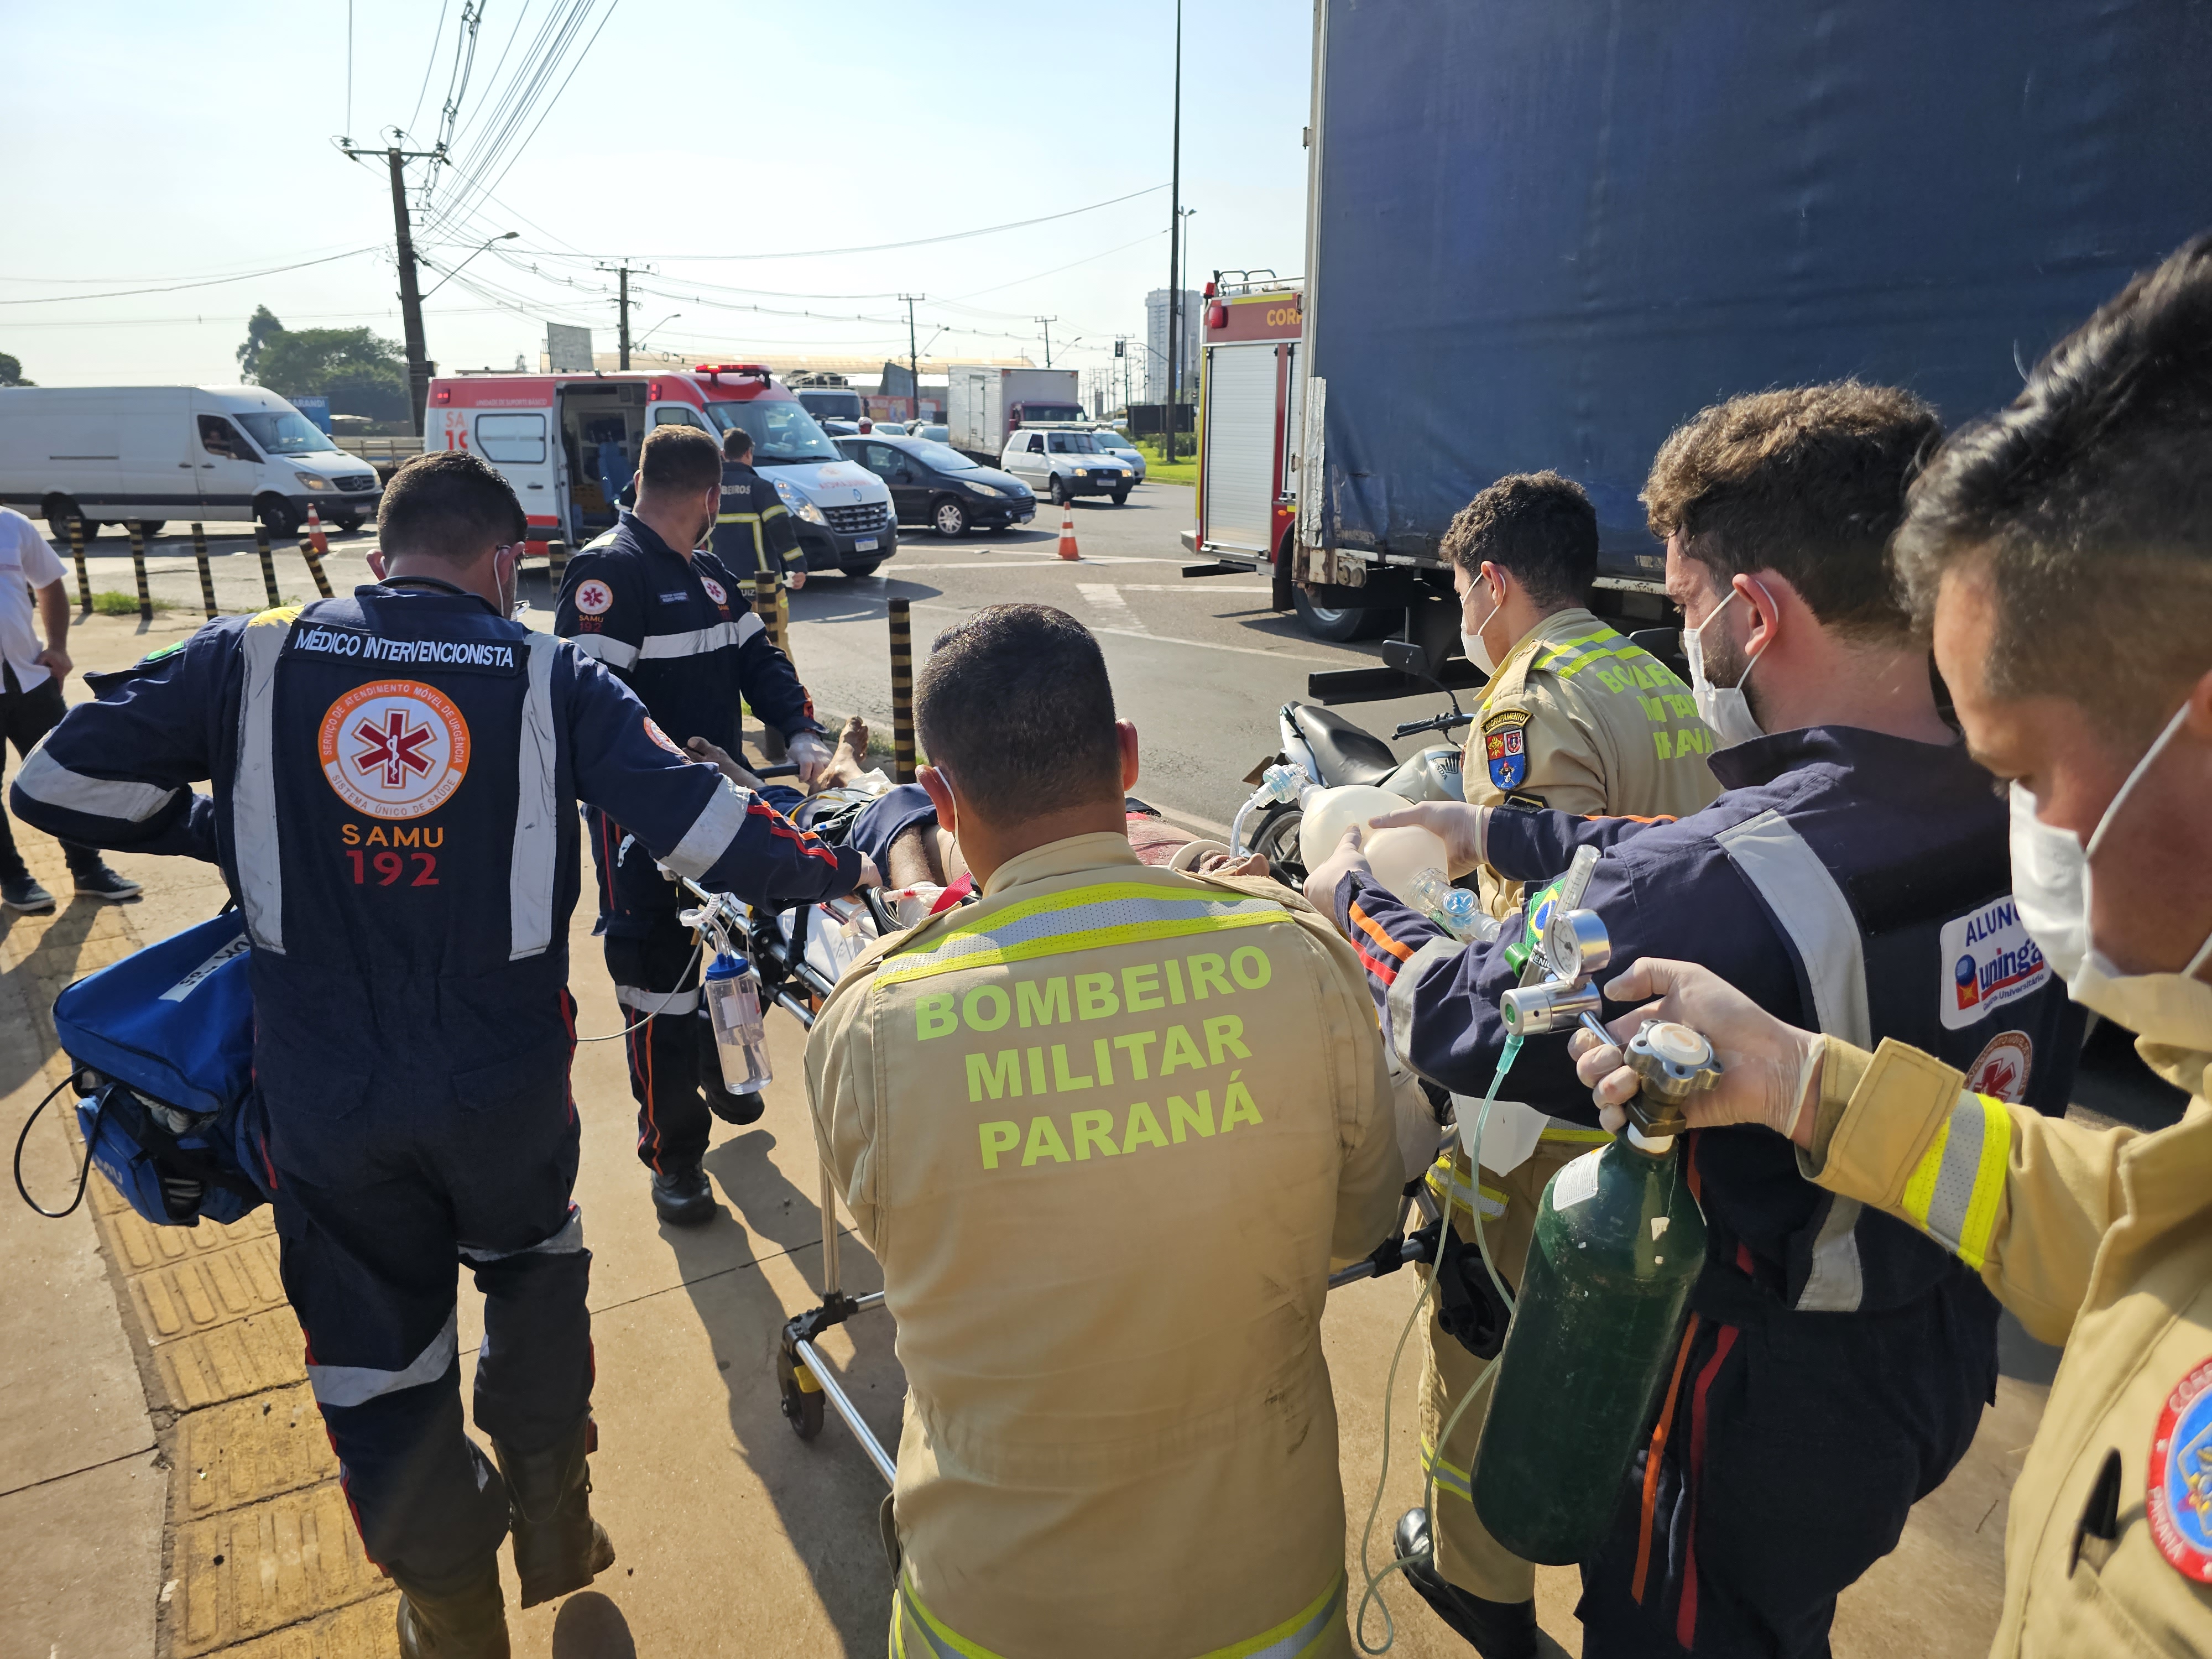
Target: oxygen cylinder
<point>732,994</point>
<point>1619,1241</point>
<point>1396,856</point>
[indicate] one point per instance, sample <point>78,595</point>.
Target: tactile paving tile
<point>240,1453</point>
<point>203,1290</point>
<point>254,1570</point>
<point>362,1630</point>
<point>140,1246</point>
<point>263,1350</point>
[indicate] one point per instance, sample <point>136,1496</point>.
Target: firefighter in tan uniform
<point>1106,1130</point>
<point>1577,719</point>
<point>2037,543</point>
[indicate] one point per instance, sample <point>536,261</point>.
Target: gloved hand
<point>810,754</point>
<point>794,576</point>
<point>869,876</point>
<point>1457,824</point>
<point>1770,1071</point>
<point>720,759</point>
<point>1321,880</point>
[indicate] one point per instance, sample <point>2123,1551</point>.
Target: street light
<point>1175,232</point>
<point>656,328</point>
<point>457,270</point>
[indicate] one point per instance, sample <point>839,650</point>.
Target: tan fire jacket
<point>1579,719</point>
<point>2101,1240</point>
<point>1105,1131</point>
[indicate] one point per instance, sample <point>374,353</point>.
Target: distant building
<point>1188,327</point>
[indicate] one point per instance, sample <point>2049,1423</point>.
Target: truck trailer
<point>984,403</point>
<point>1542,236</point>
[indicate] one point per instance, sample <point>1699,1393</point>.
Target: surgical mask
<point>512,604</point>
<point>1723,708</point>
<point>2050,879</point>
<point>1477,652</point>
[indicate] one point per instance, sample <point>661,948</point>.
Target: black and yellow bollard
<point>77,552</point>
<point>315,567</point>
<point>556,565</point>
<point>772,606</point>
<point>138,569</point>
<point>902,692</point>
<point>207,576</point>
<point>268,565</point>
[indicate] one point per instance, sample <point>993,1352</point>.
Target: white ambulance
<point>569,443</point>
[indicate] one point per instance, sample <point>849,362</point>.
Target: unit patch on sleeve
<point>2001,1068</point>
<point>1988,961</point>
<point>2180,1499</point>
<point>715,590</point>
<point>1505,747</point>
<point>594,598</point>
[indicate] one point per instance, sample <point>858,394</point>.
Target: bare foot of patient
<point>851,758</point>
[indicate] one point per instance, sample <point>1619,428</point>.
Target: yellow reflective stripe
<point>1443,1177</point>
<point>779,510</point>
<point>1578,1137</point>
<point>1082,919</point>
<point>1954,1192</point>
<point>1301,1635</point>
<point>1449,1476</point>
<point>737,518</point>
<point>944,1643</point>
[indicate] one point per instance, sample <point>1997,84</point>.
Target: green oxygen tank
<point>1618,1240</point>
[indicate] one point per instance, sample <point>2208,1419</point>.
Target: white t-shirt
<point>24,557</point>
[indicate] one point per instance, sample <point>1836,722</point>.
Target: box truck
<point>984,403</point>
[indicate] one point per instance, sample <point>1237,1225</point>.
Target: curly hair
<point>1539,525</point>
<point>1808,482</point>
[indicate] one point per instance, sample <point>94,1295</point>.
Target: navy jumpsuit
<point>1835,1363</point>
<point>395,779</point>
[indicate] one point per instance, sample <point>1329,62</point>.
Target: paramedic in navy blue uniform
<point>672,622</point>
<point>1854,878</point>
<point>395,778</point>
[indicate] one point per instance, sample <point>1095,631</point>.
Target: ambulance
<point>568,444</point>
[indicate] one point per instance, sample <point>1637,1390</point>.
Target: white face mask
<point>2051,883</point>
<point>1723,708</point>
<point>1477,651</point>
<point>513,604</point>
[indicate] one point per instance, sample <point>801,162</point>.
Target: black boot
<point>461,1618</point>
<point>1496,1629</point>
<point>730,1107</point>
<point>682,1197</point>
<point>558,1547</point>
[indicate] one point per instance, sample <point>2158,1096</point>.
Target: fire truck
<point>569,443</point>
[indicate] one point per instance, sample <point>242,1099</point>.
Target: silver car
<point>1112,442</point>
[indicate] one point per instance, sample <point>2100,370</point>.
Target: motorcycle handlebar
<point>1440,723</point>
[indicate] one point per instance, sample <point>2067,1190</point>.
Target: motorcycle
<point>1321,747</point>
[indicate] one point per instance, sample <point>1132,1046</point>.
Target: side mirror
<point>1408,659</point>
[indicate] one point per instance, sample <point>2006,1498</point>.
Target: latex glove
<point>1770,1071</point>
<point>810,754</point>
<point>795,577</point>
<point>719,758</point>
<point>869,876</point>
<point>1322,881</point>
<point>1457,824</point>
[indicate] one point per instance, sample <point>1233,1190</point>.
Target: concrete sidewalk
<point>167,1485</point>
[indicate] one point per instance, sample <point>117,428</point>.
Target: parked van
<point>145,454</point>
<point>569,443</point>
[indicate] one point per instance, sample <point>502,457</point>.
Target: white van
<point>145,454</point>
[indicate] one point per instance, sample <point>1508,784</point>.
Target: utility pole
<point>1048,322</point>
<point>1175,236</point>
<point>410,296</point>
<point>622,312</point>
<point>913,359</point>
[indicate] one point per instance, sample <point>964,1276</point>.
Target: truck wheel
<point>60,511</point>
<point>1340,626</point>
<point>277,515</point>
<point>950,517</point>
<point>1060,496</point>
<point>346,526</point>
<point>867,568</point>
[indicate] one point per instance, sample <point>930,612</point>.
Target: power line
<point>173,287</point>
<point>435,36</point>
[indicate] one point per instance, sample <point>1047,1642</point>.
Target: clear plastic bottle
<point>1452,909</point>
<point>732,992</point>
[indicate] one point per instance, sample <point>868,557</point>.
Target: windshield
<point>943,457</point>
<point>784,433</point>
<point>287,434</point>
<point>844,405</point>
<point>1110,440</point>
<point>1051,412</point>
<point>1070,443</point>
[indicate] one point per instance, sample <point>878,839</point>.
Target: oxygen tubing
<point>1373,1592</point>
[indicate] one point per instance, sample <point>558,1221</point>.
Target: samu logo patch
<point>1988,961</point>
<point>394,749</point>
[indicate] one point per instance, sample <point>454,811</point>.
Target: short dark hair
<point>679,458</point>
<point>1015,704</point>
<point>2090,498</point>
<point>737,444</point>
<point>449,504</point>
<point>1808,482</point>
<point>1539,525</point>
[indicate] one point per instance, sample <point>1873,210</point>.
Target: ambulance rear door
<point>520,442</point>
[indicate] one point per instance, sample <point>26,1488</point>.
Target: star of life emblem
<point>594,598</point>
<point>715,590</point>
<point>394,749</point>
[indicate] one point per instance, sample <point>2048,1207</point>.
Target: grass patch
<point>111,603</point>
<point>1157,468</point>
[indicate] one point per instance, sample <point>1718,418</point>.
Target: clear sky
<point>158,143</point>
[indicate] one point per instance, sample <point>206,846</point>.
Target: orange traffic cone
<point>1068,532</point>
<point>315,536</point>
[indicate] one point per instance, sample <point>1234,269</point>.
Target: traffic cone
<point>315,533</point>
<point>1068,532</point>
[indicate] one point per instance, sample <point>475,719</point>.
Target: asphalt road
<point>1200,666</point>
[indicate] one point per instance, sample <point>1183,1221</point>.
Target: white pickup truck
<point>1064,462</point>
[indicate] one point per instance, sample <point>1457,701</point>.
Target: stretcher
<point>793,953</point>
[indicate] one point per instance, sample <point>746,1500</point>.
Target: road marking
<point>1106,600</point>
<point>1169,639</point>
<point>1191,587</point>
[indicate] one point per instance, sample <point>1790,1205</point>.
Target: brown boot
<point>558,1547</point>
<point>464,1618</point>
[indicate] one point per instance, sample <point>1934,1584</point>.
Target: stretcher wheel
<point>801,1406</point>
